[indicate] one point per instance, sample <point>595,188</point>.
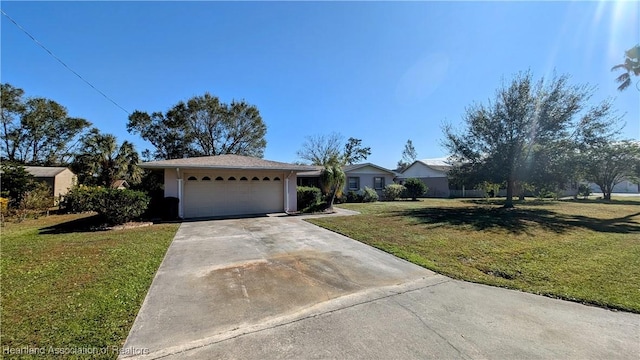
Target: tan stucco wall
<point>63,182</point>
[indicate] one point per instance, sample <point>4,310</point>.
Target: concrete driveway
<point>278,287</point>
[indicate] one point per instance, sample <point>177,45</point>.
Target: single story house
<point>357,177</point>
<point>59,179</point>
<point>227,185</point>
<point>432,172</point>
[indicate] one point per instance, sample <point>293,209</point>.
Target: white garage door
<point>232,194</point>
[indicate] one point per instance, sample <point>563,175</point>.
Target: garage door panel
<point>232,197</point>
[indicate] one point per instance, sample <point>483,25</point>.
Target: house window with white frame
<point>378,182</point>
<point>354,183</point>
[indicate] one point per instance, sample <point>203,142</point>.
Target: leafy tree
<point>37,131</point>
<point>331,149</point>
<point>354,151</point>
<point>415,188</point>
<point>102,161</point>
<point>611,163</point>
<point>202,126</point>
<point>16,182</point>
<point>631,66</point>
<point>409,155</point>
<point>504,139</point>
<point>332,180</point>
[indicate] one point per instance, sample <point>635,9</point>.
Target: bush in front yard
<point>119,206</point>
<point>415,188</point>
<point>369,195</point>
<point>308,196</point>
<point>392,192</point>
<point>354,197</point>
<point>115,206</point>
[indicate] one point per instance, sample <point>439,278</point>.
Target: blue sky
<point>383,72</point>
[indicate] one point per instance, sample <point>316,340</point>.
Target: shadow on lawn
<point>87,224</point>
<point>519,220</point>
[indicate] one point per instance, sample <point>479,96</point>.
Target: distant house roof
<point>44,171</point>
<point>120,184</point>
<point>441,164</point>
<point>224,162</point>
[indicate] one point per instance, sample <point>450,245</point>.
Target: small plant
<point>369,195</point>
<point>35,202</point>
<point>584,190</point>
<point>489,189</point>
<point>308,196</point>
<point>392,192</point>
<point>4,210</point>
<point>415,188</point>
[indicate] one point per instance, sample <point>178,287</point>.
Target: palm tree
<point>102,162</point>
<point>332,179</point>
<point>631,65</point>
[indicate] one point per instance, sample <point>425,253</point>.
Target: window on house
<point>378,183</point>
<point>243,179</point>
<point>266,179</point>
<point>192,178</point>
<point>354,183</point>
<point>276,179</point>
<point>231,178</point>
<point>219,178</point>
<point>255,178</point>
<point>206,178</point>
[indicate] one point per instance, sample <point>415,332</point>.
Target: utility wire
<point>62,62</point>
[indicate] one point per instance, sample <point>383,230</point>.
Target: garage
<point>239,193</point>
<point>229,185</point>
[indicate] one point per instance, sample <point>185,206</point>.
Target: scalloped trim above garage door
<point>232,193</point>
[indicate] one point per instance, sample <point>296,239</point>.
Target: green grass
<point>585,251</point>
<point>65,288</point>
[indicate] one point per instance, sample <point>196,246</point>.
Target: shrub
<point>118,206</point>
<point>392,192</point>
<point>4,210</point>
<point>308,196</point>
<point>115,206</point>
<point>415,188</point>
<point>584,190</point>
<point>35,202</point>
<point>369,195</point>
<point>354,197</point>
<point>80,199</point>
<point>490,189</point>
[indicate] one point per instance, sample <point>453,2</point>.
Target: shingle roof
<point>224,162</point>
<point>44,171</point>
<point>346,169</point>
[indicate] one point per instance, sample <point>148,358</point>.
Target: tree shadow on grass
<point>87,224</point>
<point>518,220</point>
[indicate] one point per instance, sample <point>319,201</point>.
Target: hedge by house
<point>415,188</point>
<point>115,206</point>
<point>393,191</point>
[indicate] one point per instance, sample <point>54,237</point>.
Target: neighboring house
<point>357,177</point>
<point>432,172</point>
<point>227,185</point>
<point>624,187</point>
<point>120,184</point>
<point>59,179</point>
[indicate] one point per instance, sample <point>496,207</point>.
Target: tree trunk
<point>509,202</point>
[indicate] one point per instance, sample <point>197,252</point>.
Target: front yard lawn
<point>584,251</point>
<point>68,290</point>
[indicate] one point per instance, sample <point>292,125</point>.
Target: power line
<point>62,62</point>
